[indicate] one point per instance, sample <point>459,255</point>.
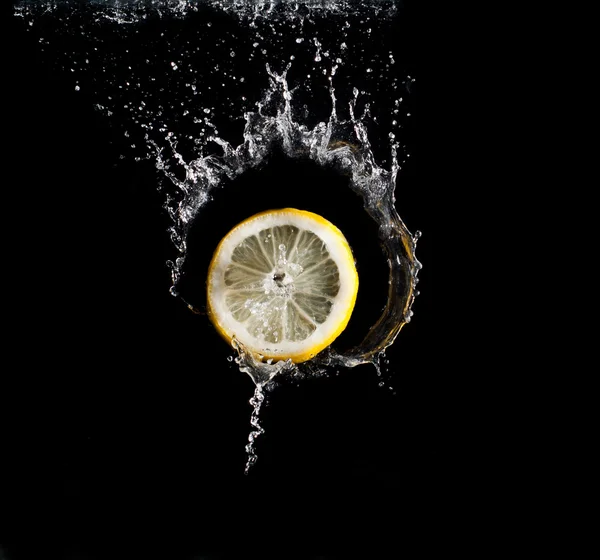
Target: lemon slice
<point>283,283</point>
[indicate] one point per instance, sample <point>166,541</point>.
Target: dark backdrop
<point>127,424</point>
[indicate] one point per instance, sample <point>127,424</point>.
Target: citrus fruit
<point>283,283</point>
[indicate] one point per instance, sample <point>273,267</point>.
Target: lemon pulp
<point>283,283</point>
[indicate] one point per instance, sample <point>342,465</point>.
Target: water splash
<point>341,144</point>
<point>134,11</point>
<point>256,401</point>
<point>278,82</point>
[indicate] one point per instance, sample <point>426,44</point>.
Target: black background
<point>126,422</point>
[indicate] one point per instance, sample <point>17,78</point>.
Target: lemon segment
<point>283,283</point>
